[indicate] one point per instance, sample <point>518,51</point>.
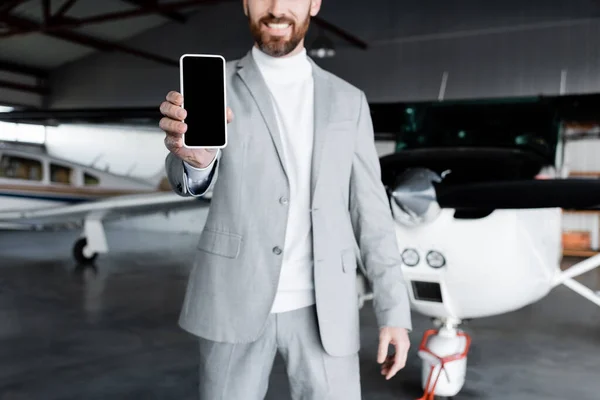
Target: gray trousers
<point>241,371</point>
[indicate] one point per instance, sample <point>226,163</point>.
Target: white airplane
<point>477,198</point>
<point>40,191</point>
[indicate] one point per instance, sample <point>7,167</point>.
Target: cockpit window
<point>519,125</point>
<point>60,174</point>
<point>16,167</point>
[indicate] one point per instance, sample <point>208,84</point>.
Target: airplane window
<point>480,124</point>
<point>60,174</point>
<point>90,180</point>
<point>15,167</point>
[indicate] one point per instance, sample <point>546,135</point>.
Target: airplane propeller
<point>422,181</point>
<point>419,194</point>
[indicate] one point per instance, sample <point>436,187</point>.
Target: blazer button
<point>284,200</point>
<point>277,250</point>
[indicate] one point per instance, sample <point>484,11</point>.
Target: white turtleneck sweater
<point>291,85</point>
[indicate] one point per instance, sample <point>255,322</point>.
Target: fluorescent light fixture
<point>322,47</point>
<point>23,133</point>
<point>6,109</point>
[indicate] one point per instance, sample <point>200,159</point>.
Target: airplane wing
<point>571,194</point>
<point>105,209</point>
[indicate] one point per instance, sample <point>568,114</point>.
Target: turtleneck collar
<point>283,69</point>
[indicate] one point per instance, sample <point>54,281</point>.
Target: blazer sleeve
<point>374,229</point>
<point>188,181</point>
<point>199,179</point>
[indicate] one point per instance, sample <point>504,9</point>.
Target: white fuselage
<point>33,180</point>
<point>493,265</point>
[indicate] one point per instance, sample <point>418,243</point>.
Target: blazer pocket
<point>222,244</point>
<point>349,263</point>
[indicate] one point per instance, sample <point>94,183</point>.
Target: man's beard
<point>278,46</point>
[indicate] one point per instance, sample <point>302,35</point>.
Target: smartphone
<point>202,81</point>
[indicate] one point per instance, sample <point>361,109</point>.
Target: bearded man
<point>297,208</point>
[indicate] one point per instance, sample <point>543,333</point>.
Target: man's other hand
<point>391,364</point>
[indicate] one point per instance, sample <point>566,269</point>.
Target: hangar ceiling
<point>44,34</point>
<point>39,36</point>
<point>47,33</point>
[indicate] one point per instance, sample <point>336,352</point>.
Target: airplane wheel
<point>444,362</point>
<point>78,253</point>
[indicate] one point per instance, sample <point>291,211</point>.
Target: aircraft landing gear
<point>92,242</point>
<point>444,354</point>
<point>81,252</point>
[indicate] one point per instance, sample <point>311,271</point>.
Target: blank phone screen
<point>203,91</point>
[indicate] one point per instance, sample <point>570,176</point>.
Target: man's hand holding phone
<point>174,128</point>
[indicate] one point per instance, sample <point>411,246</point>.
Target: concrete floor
<point>111,333</point>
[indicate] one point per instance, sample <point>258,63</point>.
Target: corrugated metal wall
<point>512,63</point>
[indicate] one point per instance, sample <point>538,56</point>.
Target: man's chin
<point>275,40</point>
<point>277,48</point>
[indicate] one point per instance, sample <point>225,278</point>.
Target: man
<point>297,206</point>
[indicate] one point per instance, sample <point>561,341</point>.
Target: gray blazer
<point>234,279</point>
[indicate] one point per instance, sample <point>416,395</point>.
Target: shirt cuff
<point>199,174</point>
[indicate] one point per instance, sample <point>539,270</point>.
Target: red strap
<point>429,394</point>
<point>426,394</point>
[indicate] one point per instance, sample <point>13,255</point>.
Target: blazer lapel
<point>323,97</point>
<point>252,78</point>
<point>322,108</point>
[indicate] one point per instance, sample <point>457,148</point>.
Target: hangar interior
<point>81,82</point>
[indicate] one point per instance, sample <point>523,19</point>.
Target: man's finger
<point>229,115</point>
<point>175,98</point>
<point>172,143</point>
<point>172,127</point>
<point>385,367</point>
<point>172,111</point>
<point>404,355</point>
<point>397,365</point>
<point>384,344</point>
<point>399,360</point>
